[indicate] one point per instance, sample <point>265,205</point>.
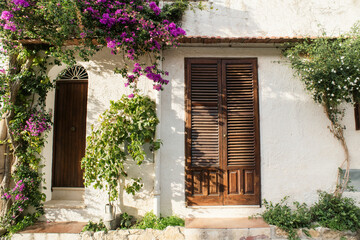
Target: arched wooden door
<point>70,128</point>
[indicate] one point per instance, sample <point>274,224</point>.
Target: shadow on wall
<point>172,152</point>
<point>225,19</point>
<point>276,18</point>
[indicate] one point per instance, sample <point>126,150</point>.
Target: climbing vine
<point>131,29</point>
<point>330,70</point>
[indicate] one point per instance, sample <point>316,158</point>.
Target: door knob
<point>73,129</point>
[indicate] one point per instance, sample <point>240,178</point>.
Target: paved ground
<point>55,227</point>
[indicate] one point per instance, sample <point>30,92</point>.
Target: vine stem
<point>338,131</point>
<point>10,159</point>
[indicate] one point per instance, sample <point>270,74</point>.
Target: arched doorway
<point>70,127</point>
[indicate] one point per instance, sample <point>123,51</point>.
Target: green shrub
<point>336,212</point>
<point>95,227</point>
<point>151,221</point>
<point>125,220</point>
<point>287,218</point>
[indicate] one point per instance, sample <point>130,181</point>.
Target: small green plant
<point>151,221</point>
<point>287,218</point>
<point>95,227</point>
<point>125,220</point>
<point>336,212</point>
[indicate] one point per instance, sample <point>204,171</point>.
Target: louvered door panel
<point>242,171</point>
<point>240,115</point>
<point>203,114</point>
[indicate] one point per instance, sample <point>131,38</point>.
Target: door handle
<point>72,129</point>
<point>225,135</point>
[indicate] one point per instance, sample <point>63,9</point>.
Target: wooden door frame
<point>187,103</point>
<point>55,117</point>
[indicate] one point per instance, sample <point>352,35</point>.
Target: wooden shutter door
<point>204,176</point>
<point>222,132</point>
<point>241,161</point>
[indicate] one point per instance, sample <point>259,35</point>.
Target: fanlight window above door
<point>74,73</point>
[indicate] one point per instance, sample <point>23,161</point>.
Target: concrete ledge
<point>227,234</point>
<point>170,233</point>
<point>46,236</point>
<point>225,223</point>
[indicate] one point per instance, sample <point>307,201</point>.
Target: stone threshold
<point>225,223</point>
<point>68,204</point>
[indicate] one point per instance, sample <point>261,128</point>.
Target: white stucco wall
<point>254,18</point>
<point>299,155</point>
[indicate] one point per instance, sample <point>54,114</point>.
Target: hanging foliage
<point>122,131</point>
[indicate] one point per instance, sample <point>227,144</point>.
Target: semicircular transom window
<point>75,73</point>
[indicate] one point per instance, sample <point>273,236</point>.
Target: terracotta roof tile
<point>260,39</point>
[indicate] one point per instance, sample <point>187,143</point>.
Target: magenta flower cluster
<point>16,192</point>
<point>130,30</point>
<point>6,16</point>
<point>18,195</point>
<point>37,124</point>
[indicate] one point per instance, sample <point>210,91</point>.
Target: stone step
<point>65,210</point>
<point>67,193</point>
<point>227,234</point>
<point>226,229</point>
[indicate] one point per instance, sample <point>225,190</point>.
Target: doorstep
<point>226,229</point>
<point>68,204</point>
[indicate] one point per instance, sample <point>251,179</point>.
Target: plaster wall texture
<point>299,155</point>
<point>262,18</point>
<point>103,86</point>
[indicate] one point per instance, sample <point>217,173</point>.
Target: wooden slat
<point>240,102</point>
<point>204,115</point>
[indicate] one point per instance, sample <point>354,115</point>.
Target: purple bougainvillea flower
<point>10,26</point>
<point>131,95</point>
<point>22,3</point>
<point>137,68</point>
<point>157,87</point>
<point>6,15</point>
<point>155,8</point>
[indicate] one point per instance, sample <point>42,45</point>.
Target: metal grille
<point>74,73</point>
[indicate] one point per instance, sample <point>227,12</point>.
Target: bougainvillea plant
<point>37,33</point>
<point>330,70</point>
